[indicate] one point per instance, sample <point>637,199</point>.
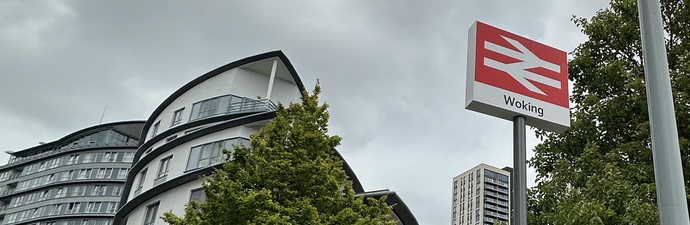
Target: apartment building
<point>76,180</point>
<point>481,195</point>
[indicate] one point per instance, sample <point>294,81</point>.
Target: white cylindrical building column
<point>273,77</point>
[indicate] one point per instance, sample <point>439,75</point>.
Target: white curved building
<point>183,137</point>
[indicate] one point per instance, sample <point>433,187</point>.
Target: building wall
<point>161,142</point>
<point>239,81</point>
<point>180,158</point>
<point>215,86</point>
<point>252,84</point>
<point>174,200</point>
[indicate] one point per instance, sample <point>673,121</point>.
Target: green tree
<point>289,175</point>
<point>500,222</point>
<point>600,171</point>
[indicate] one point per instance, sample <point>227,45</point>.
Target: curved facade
<point>183,137</point>
<point>76,180</point>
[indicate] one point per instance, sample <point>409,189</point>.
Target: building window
<point>204,108</point>
<point>55,162</point>
<point>171,138</point>
<point>57,209</point>
<point>151,212</point>
<point>198,195</point>
<point>4,176</point>
<point>61,193</point>
<point>67,175</point>
<point>109,157</point>
<point>117,191</point>
<point>164,166</point>
<point>177,117</point>
<point>74,207</point>
<point>142,178</point>
<point>211,153</point>
<point>98,190</point>
<point>88,158</point>
<point>112,207</point>
<point>108,173</point>
<point>79,191</point>
<point>129,157</point>
<point>90,207</point>
<point>155,128</point>
<point>84,174</point>
<point>11,218</point>
<point>122,174</point>
<point>44,195</point>
<point>101,173</point>
<point>73,159</point>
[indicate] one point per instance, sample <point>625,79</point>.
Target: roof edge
<point>217,71</point>
<point>399,207</point>
<point>71,135</point>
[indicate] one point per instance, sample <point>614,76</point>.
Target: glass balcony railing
<point>229,104</point>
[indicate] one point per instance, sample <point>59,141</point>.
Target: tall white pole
<point>273,78</point>
<point>668,171</point>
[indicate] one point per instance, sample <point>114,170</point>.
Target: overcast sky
<point>393,73</point>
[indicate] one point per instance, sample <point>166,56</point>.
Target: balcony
<point>497,215</point>
<point>230,104</point>
<point>15,161</point>
<point>496,201</point>
<point>6,192</point>
<point>13,176</point>
<point>499,209</point>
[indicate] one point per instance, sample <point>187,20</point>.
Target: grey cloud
<point>392,72</point>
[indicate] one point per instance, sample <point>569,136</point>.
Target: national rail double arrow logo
<point>514,63</point>
<point>509,75</point>
<point>518,70</point>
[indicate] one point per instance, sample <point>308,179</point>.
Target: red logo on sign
<point>517,64</point>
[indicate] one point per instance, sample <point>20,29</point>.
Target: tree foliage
<point>289,175</point>
<point>600,171</point>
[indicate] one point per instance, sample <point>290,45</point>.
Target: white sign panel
<point>509,75</point>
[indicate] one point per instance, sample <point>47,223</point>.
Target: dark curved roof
<point>399,207</point>
<point>213,73</point>
<point>130,128</point>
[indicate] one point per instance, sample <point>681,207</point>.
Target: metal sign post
<point>519,171</point>
<point>668,171</point>
<point>501,83</point>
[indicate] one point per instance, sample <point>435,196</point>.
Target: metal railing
<point>246,105</point>
<point>251,105</point>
